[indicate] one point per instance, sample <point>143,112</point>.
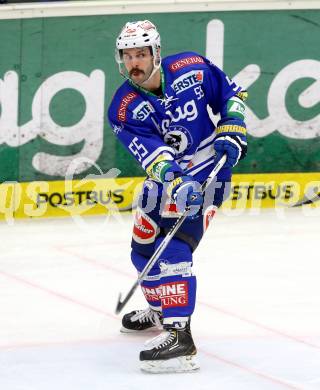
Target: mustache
<point>135,70</point>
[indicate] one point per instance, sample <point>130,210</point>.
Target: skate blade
<point>132,331</point>
<point>179,364</point>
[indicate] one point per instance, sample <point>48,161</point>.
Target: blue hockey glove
<point>230,140</point>
<point>186,193</point>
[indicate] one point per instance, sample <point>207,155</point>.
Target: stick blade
<point>120,305</point>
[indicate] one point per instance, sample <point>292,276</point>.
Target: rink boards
<point>58,76</point>
<point>96,195</point>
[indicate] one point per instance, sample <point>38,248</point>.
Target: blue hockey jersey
<point>177,125</point>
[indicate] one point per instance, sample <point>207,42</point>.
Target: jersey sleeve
<point>143,142</point>
<point>219,87</point>
<point>227,99</point>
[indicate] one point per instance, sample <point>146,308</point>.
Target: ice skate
<point>141,320</point>
<point>171,351</point>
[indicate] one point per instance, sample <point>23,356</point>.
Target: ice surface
<point>256,324</point>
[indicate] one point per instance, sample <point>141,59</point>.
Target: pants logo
<point>174,295</point>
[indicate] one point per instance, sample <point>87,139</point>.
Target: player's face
<point>139,63</point>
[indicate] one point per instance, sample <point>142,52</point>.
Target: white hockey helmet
<point>139,34</point>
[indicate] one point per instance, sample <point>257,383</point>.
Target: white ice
<point>256,324</point>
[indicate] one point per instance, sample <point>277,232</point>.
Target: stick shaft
<point>154,258</point>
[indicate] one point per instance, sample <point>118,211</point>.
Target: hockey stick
<point>154,258</point>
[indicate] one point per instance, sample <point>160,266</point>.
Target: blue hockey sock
<point>178,284</point>
<point>151,284</point>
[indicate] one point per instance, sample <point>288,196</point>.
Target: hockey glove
<point>186,193</point>
<point>230,140</point>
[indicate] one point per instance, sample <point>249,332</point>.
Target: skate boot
<point>172,351</point>
<point>139,320</point>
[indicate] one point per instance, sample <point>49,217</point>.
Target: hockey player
<point>160,114</point>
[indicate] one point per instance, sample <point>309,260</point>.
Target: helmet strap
<point>154,70</point>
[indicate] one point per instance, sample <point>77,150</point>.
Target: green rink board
<point>58,76</point>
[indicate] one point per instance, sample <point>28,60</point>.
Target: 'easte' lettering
<point>142,111</point>
<point>186,81</point>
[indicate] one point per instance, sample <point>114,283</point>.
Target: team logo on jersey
<point>187,81</point>
<point>179,138</point>
<point>189,112</point>
<point>179,64</point>
<point>144,229</point>
<point>142,111</point>
<point>122,110</point>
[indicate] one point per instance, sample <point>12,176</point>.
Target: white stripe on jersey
<point>197,169</point>
<point>206,141</point>
<point>199,157</point>
<point>203,144</point>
